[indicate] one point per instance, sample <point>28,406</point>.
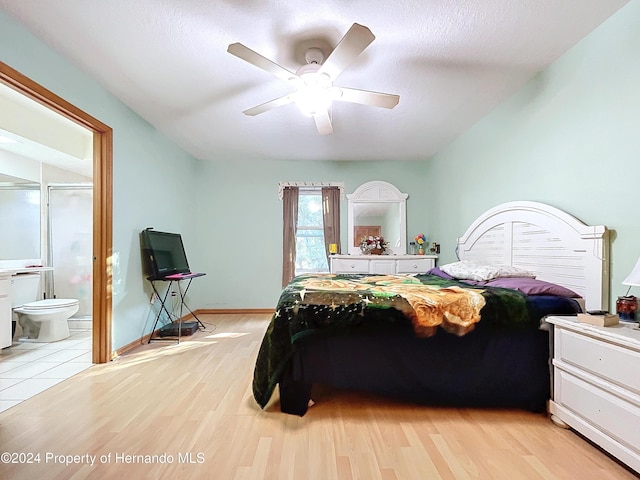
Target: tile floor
<point>28,368</point>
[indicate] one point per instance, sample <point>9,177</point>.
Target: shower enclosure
<point>70,244</point>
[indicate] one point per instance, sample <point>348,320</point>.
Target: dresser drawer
<point>415,265</point>
<point>382,266</point>
<point>606,360</point>
<point>340,265</point>
<point>618,418</point>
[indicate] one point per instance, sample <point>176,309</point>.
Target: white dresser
<point>596,384</point>
<point>384,264</point>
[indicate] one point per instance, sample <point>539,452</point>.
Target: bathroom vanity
<point>5,310</point>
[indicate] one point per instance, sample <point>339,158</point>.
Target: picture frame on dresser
<point>363,231</point>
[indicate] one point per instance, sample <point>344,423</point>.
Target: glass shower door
<point>71,244</point>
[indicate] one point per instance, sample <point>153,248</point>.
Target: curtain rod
<point>302,185</point>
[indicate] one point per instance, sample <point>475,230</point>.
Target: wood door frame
<point>102,203</point>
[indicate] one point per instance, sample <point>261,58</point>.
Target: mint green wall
<point>144,164</point>
<point>569,138</point>
<point>240,225</point>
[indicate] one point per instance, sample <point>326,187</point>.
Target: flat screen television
<point>163,253</point>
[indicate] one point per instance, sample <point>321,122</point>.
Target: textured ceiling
<point>450,62</point>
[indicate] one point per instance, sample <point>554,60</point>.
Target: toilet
<point>41,320</point>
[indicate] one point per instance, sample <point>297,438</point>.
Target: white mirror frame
<point>378,192</point>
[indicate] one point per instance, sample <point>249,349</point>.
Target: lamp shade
<point>633,279</point>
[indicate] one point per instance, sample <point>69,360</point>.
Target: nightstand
<point>596,384</point>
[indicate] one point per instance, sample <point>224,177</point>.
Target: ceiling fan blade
<point>270,105</point>
<point>323,123</point>
<point>259,61</point>
<point>364,97</point>
<point>352,44</point>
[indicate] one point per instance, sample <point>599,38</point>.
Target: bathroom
<point>46,197</point>
<point>52,238</point>
<point>46,190</point>
<point>51,211</point>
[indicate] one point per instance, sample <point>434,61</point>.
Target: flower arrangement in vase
<point>421,240</point>
<point>373,245</point>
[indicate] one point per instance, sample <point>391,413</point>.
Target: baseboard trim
<point>205,311</point>
<point>231,311</point>
<point>131,346</point>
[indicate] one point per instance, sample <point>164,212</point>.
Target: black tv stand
<point>176,325</point>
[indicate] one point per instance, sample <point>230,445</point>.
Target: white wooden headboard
<point>552,244</point>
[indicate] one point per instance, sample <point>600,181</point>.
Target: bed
<point>437,338</point>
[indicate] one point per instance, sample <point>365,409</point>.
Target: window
<point>310,250</point>
<point>310,221</point>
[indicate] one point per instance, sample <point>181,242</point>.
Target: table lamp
<point>627,305</point>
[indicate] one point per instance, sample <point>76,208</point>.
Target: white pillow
<point>474,270</point>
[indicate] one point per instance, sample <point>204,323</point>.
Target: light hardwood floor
<point>187,410</point>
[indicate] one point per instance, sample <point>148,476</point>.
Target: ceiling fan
<point>314,81</point>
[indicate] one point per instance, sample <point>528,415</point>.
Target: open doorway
<point>102,349</point>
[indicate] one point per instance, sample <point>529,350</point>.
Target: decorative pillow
<point>532,286</point>
<point>439,273</point>
<point>473,270</point>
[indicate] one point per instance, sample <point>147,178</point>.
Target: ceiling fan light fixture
<point>314,96</point>
<point>313,82</point>
<point>313,99</point>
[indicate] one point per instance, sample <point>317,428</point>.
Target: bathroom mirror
<point>378,208</point>
<point>19,209</point>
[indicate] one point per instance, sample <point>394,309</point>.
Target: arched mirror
<point>378,208</point>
